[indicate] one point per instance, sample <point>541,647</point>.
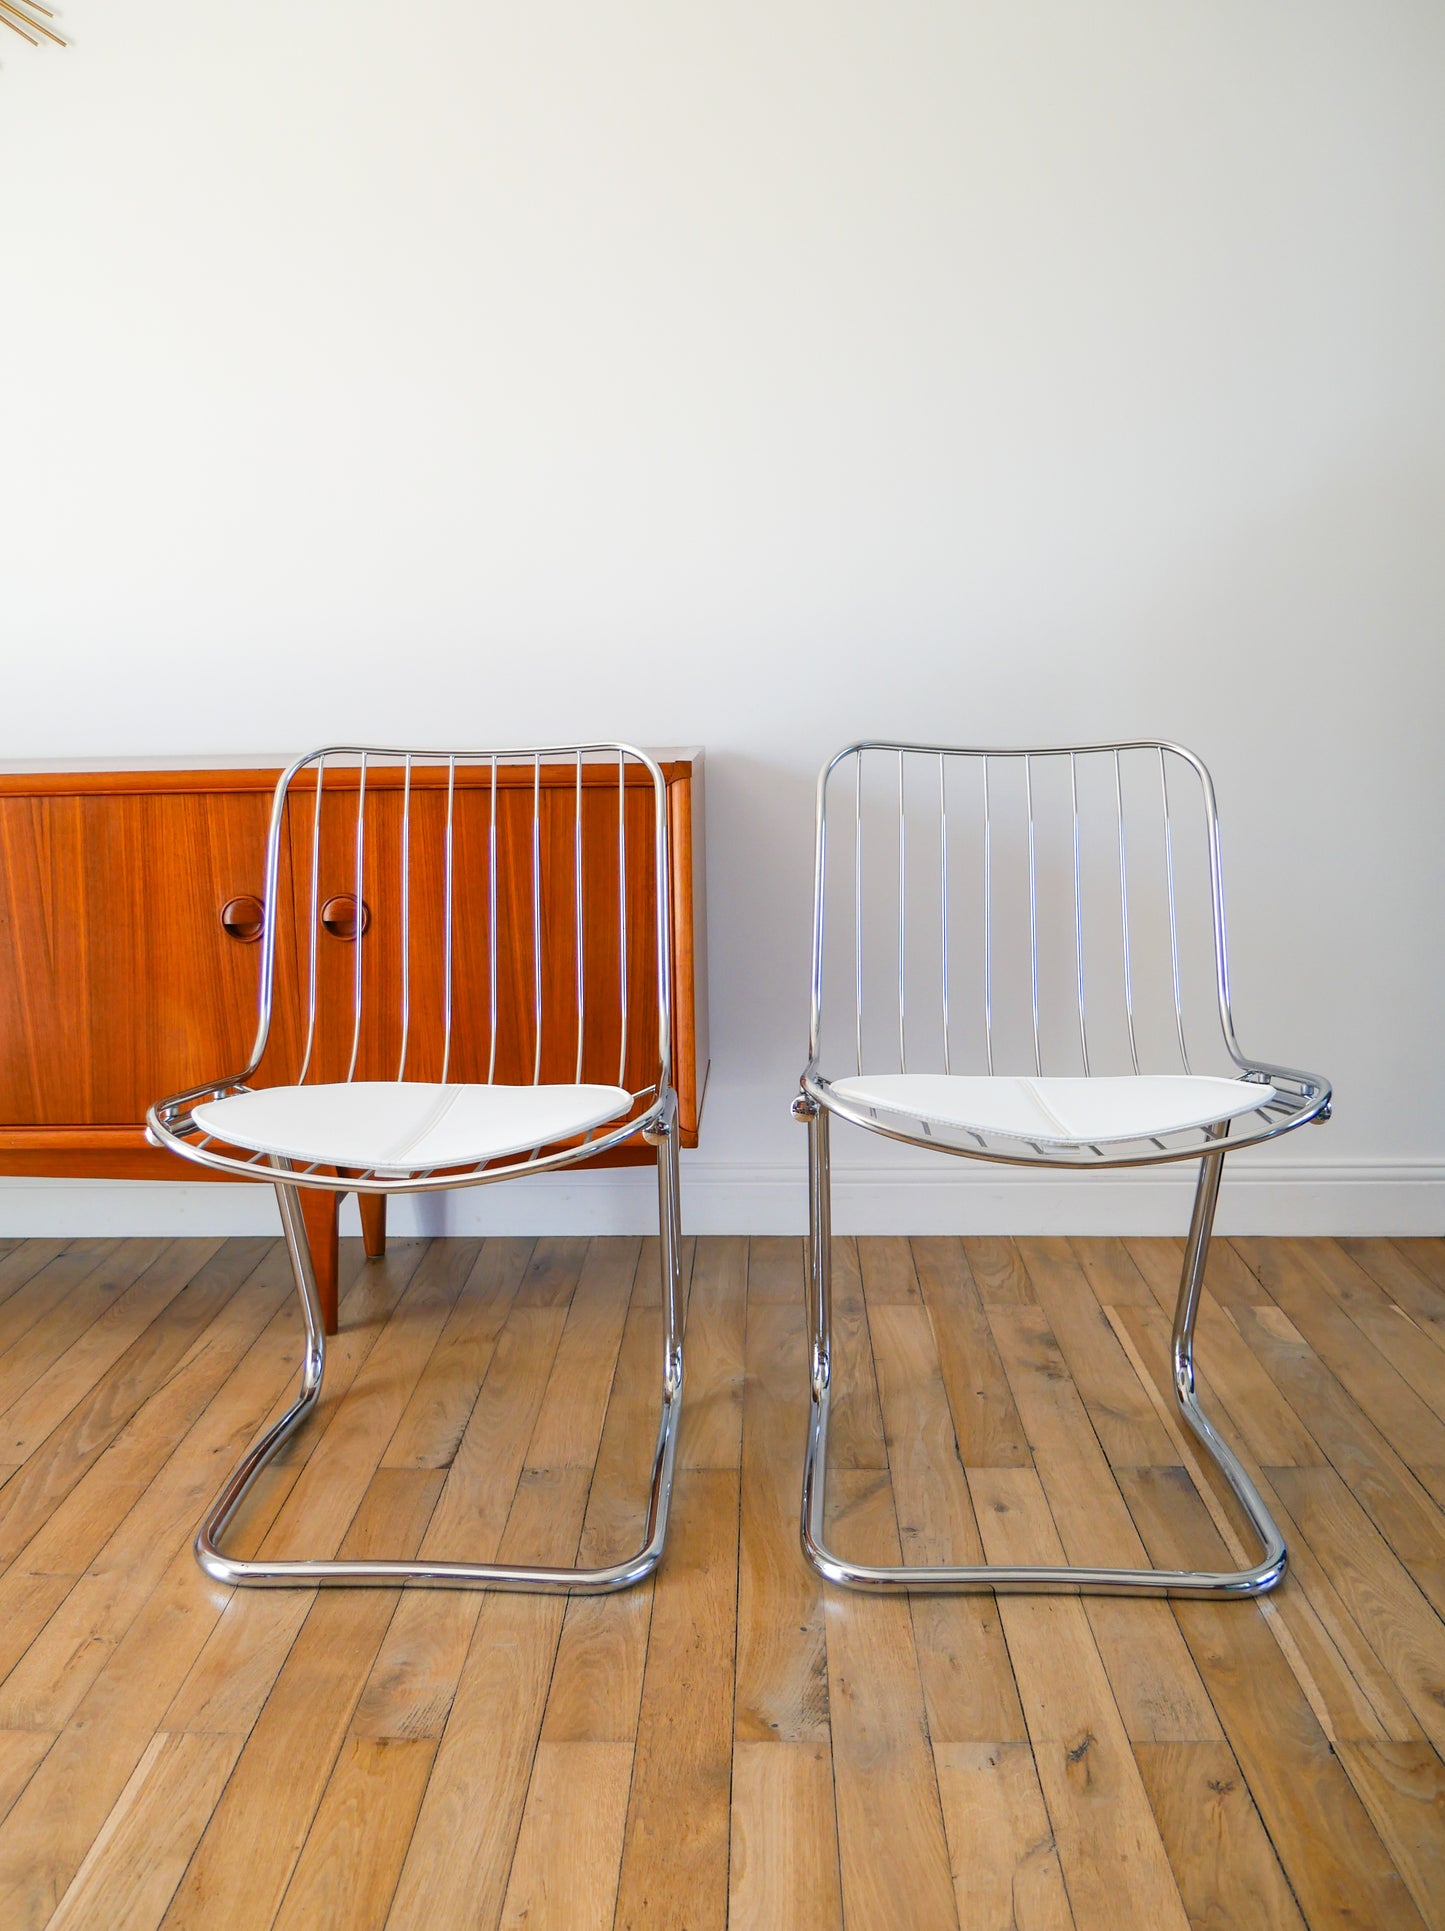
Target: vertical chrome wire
<point>1078,911</point>
<point>1173,921</point>
<point>537,916</point>
<point>405,915</point>
<point>1033,911</point>
<point>1124,912</point>
<point>622,906</point>
<point>577,878</point>
<point>858,906</point>
<point>902,913</point>
<point>492,927</point>
<point>359,913</point>
<point>447,926</point>
<point>987,921</point>
<point>943,893</point>
<point>315,924</point>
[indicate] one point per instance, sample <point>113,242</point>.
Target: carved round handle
<point>338,915</point>
<point>243,919</point>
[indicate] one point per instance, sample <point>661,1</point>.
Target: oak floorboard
<point>1361,1452</point>
<point>140,1854</point>
<point>1375,1385</point>
<point>1340,1871</point>
<point>569,1423</point>
<point>998,1271</point>
<point>352,1858</point>
<point>1155,1683</point>
<point>20,1754</point>
<point>22,1261</point>
<point>62,1301</point>
<point>49,1399</point>
<point>247,1852</point>
<point>1427,1256</point>
<point>1392,1265</point>
<point>1394,1328</point>
<point>191,1298</point>
<point>461,1852</point>
<point>784,1839</point>
<point>986,1422</point>
<point>1110,1851</point>
<point>1400,1626</point>
<point>435,1418</point>
<point>855,1426</point>
<point>596,1687</point>
<point>782,1667</point>
<point>1218,1848</point>
<point>1005,1861</point>
<point>963,1663</point>
<point>1402,1785</point>
<point>1226,1368</point>
<point>577,1798</point>
<point>893,1854</point>
<point>247,1373</point>
<point>885,1262</point>
<point>1348,1688</point>
<point>675,1850</point>
<point>1120,1411</point>
<point>712,1412</point>
<point>734,1742</point>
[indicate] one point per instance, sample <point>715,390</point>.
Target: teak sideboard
<point>129,914</point>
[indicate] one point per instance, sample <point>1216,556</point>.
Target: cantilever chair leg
<point>311,1573</point>
<point>1013,1578</point>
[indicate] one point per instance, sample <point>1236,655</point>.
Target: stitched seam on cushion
<point>449,1098</point>
<point>1065,1131</point>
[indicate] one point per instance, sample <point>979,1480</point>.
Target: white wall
<point>760,375</point>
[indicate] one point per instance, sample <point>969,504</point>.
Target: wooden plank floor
<point>733,1743</point>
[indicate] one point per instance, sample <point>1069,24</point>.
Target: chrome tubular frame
<point>653,1116</point>
<point>1299,1098</point>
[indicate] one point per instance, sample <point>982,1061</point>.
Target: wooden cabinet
<point>119,982</point>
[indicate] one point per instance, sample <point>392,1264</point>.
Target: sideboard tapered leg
<point>373,1224</point>
<point>321,1211</point>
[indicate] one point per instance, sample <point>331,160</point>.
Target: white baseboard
<point>1259,1197</point>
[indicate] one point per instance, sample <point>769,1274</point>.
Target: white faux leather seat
<point>1074,1111</point>
<point>406,1126</point>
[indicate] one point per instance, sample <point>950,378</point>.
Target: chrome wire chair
<point>1039,951</point>
<point>487,890</point>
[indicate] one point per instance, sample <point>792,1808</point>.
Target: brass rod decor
<point>21,20</point>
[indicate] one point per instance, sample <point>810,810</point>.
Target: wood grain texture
<point>131,1870</point>
<point>354,1850</point>
<point>1218,1848</point>
<point>1402,1786</point>
<point>734,1743</point>
<point>784,1864</point>
<point>1340,1870</point>
<point>891,1845</point>
<point>578,1799</point>
<point>1113,1860</point>
<point>675,1856</point>
<point>1005,1860</point>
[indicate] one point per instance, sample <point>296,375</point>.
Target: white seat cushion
<point>406,1126</point>
<point>1058,1112</point>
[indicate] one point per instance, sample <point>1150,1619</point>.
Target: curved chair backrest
<point>1051,911</point>
<point>513,918</point>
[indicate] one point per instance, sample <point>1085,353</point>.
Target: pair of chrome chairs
<point>1023,934</point>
